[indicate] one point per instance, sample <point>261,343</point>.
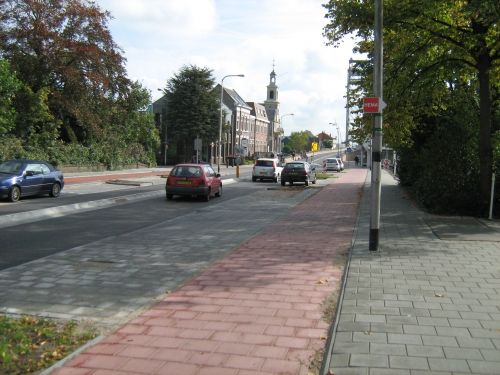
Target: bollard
<point>237,171</point>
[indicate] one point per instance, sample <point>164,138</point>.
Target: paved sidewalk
<point>427,303</point>
<point>257,311</point>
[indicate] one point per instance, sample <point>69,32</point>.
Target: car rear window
<point>265,163</point>
<point>185,171</point>
<point>331,160</point>
<point>294,166</point>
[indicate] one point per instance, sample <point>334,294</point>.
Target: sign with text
<point>373,105</point>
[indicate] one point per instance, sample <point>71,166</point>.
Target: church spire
<point>272,88</point>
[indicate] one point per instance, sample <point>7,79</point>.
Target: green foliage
<point>441,167</point>
<point>28,345</point>
<point>193,109</point>
<point>436,53</point>
<point>327,143</point>
<point>9,84</point>
<point>300,141</point>
<point>70,101</point>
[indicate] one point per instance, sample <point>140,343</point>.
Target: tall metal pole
<point>347,109</point>
<point>377,130</point>
<point>220,123</point>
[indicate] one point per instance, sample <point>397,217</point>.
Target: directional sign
<point>197,144</point>
<point>373,105</point>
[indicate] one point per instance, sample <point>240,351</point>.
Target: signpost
<point>373,105</point>
<point>197,147</point>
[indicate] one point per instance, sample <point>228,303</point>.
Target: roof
<point>258,110</point>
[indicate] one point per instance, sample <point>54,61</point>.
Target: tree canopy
<point>440,57</point>
<point>193,109</point>
<point>74,87</point>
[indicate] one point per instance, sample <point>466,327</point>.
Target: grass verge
<point>29,344</point>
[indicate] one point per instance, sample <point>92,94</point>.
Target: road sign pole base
<point>373,243</point>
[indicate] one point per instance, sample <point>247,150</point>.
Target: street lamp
<point>281,123</point>
<point>338,137</point>
<point>164,131</point>
<point>220,124</point>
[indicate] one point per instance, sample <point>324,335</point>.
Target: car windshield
<point>294,166</point>
<point>265,163</point>
<point>11,166</point>
<point>186,171</point>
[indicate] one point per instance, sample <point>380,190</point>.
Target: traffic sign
<point>373,105</point>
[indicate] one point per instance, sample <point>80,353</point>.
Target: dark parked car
<point>193,180</point>
<point>21,177</point>
<point>298,171</point>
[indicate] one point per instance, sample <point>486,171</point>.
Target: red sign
<point>373,105</point>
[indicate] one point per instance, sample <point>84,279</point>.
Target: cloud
<point>160,18</point>
<point>233,37</point>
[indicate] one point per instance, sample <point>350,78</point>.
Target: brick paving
<point>428,302</point>
<point>257,311</point>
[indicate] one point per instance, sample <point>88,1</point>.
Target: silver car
<point>266,169</point>
<point>332,164</point>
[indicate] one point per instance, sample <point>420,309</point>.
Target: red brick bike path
<point>258,311</point>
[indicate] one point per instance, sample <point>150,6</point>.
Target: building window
<point>271,94</point>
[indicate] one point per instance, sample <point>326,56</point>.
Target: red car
<point>193,180</point>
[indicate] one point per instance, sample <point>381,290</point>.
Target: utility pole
<point>377,130</point>
<point>347,109</point>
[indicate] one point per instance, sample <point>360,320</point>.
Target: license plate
<point>183,182</point>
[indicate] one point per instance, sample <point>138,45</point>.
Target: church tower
<point>272,102</point>
<point>272,108</point>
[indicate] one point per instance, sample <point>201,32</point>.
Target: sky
<point>159,37</point>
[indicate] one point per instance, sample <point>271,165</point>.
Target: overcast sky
<point>158,37</point>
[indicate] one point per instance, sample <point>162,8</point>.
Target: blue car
<point>21,178</point>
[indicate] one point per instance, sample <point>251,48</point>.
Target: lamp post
<point>220,124</point>
<point>164,131</point>
<point>281,123</point>
<point>338,137</point>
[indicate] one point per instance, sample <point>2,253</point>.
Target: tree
<point>300,141</point>
<point>431,48</point>
<point>65,46</point>
<point>192,109</point>
<point>9,85</point>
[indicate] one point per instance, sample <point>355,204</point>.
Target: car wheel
<point>14,194</point>
<point>170,197</point>
<point>207,197</point>
<point>275,179</point>
<point>219,193</point>
<point>306,182</point>
<point>254,179</point>
<point>56,190</point>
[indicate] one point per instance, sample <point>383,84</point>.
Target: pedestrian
<point>356,160</point>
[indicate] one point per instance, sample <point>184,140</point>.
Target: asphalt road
<point>106,264</point>
<point>29,241</point>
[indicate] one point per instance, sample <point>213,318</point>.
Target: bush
<point>113,155</point>
<point>442,169</point>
